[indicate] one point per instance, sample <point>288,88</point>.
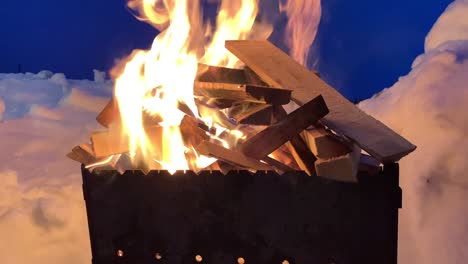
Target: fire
<point>235,21</point>
<point>159,81</point>
<point>303,21</point>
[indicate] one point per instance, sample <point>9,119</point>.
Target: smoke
<point>301,29</point>
<point>429,106</point>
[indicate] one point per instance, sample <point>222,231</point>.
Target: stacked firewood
<point>324,134</point>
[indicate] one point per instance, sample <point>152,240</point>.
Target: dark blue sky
<point>362,46</point>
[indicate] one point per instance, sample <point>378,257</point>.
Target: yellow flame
<point>158,81</point>
<point>303,21</point>
<point>235,21</point>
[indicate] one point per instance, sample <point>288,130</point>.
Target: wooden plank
<point>277,69</point>
<point>251,113</point>
<point>208,73</point>
<point>231,156</point>
<point>343,168</point>
<point>112,141</point>
<point>109,113</point>
<point>242,92</point>
<point>298,148</point>
<point>82,155</point>
<point>324,144</point>
<point>253,78</point>
<point>271,138</point>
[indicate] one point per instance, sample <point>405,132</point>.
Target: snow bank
<point>429,106</point>
<point>42,212</point>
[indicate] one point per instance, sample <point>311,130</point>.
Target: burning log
<point>277,69</point>
<point>271,138</point>
<point>231,156</point>
<point>243,92</point>
<point>251,113</point>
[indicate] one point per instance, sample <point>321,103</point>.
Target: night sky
<point>362,46</point>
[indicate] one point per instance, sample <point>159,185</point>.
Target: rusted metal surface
<point>262,217</point>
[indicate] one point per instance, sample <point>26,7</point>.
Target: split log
<point>231,156</point>
<point>208,73</point>
<point>342,168</point>
<point>298,148</point>
<point>242,92</point>
<point>251,113</point>
<point>324,144</point>
<point>269,139</point>
<point>109,113</point>
<point>278,69</point>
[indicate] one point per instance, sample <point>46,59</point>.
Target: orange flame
<point>303,21</point>
<point>158,81</point>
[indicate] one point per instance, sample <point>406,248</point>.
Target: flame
<point>159,81</point>
<point>303,21</point>
<point>235,21</point>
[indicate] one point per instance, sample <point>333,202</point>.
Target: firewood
<point>113,141</point>
<point>219,103</point>
<point>277,69</point>
<point>81,155</point>
<point>243,92</point>
<point>191,132</point>
<point>298,148</point>
<point>253,78</point>
<point>109,114</point>
<point>280,167</point>
<point>269,139</point>
<point>342,168</point>
<point>251,113</point>
<point>231,156</point>
<point>208,73</point>
<point>324,144</point>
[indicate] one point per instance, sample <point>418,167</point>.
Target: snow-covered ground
<point>42,214</point>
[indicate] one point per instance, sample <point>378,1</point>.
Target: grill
<point>241,217</point>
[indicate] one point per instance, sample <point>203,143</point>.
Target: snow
<point>428,107</point>
<point>42,116</point>
<point>42,213</point>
